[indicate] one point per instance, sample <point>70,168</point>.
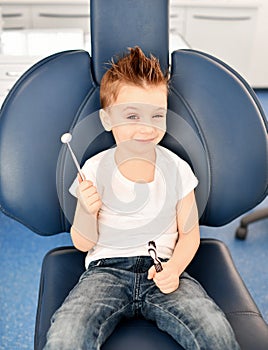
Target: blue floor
<point>22,252</point>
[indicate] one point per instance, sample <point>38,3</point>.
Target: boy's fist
<point>88,196</point>
<point>167,280</point>
<point>84,230</point>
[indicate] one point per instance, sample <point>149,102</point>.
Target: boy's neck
<point>136,167</point>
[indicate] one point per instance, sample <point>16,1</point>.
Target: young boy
<point>131,194</point>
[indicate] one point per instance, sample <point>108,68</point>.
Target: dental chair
<point>215,122</point>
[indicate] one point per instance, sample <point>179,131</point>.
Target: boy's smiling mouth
<point>144,140</point>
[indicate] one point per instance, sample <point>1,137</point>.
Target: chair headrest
<point>116,26</point>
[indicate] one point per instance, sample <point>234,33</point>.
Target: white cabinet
<point>177,17</point>
<point>227,33</point>
<point>259,67</point>
<point>61,16</point>
<point>223,28</point>
<point>34,29</point>
<point>16,16</point>
<point>11,68</point>
<point>31,15</point>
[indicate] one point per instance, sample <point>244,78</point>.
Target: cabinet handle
<point>222,18</point>
<point>13,74</point>
<point>13,28</point>
<point>56,15</point>
<point>11,15</point>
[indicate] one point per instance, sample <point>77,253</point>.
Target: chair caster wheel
<point>241,233</point>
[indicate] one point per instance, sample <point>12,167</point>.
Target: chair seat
<point>140,334</point>
<point>212,267</point>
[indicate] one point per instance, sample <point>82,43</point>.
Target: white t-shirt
<point>132,214</point>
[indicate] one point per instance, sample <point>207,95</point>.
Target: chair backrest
<point>215,122</point>
<point>225,113</point>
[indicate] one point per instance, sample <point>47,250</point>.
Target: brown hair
<point>135,69</point>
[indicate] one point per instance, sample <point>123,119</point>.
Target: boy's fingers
<point>85,185</point>
<point>151,273</point>
<point>80,178</point>
<point>87,189</point>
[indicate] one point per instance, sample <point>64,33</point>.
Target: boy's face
<point>138,115</point>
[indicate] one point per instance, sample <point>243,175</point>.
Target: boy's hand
<point>88,196</point>
<point>84,231</point>
<point>167,280</point>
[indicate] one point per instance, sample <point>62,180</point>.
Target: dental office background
<point>235,31</point>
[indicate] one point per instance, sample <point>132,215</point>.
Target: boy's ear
<point>105,120</point>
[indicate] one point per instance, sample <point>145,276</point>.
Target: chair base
<point>242,230</point>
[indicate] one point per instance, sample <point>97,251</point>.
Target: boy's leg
<point>190,316</point>
<point>90,312</point>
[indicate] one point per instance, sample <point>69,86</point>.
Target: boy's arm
<point>80,242</point>
<point>84,231</point>
<point>189,234</point>
<point>185,249</point>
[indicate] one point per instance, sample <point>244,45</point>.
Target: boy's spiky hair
<point>133,68</point>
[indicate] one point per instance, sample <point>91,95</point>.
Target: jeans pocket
<point>91,267</point>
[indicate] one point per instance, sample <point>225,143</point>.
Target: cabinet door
<point>11,72</point>
<point>16,17</point>
<point>11,68</point>
<point>177,19</point>
<point>61,16</point>
<point>226,33</point>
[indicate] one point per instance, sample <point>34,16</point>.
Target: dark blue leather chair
<point>221,131</point>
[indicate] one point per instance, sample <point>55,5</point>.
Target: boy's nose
<point>146,128</point>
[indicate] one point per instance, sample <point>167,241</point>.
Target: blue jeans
<point>114,288</point>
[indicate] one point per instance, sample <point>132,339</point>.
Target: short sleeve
<point>186,180</point>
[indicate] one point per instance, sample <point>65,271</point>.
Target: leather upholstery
<point>221,131</point>
<point>212,267</point>
<point>41,106</point>
<point>225,112</point>
<point>115,26</point>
